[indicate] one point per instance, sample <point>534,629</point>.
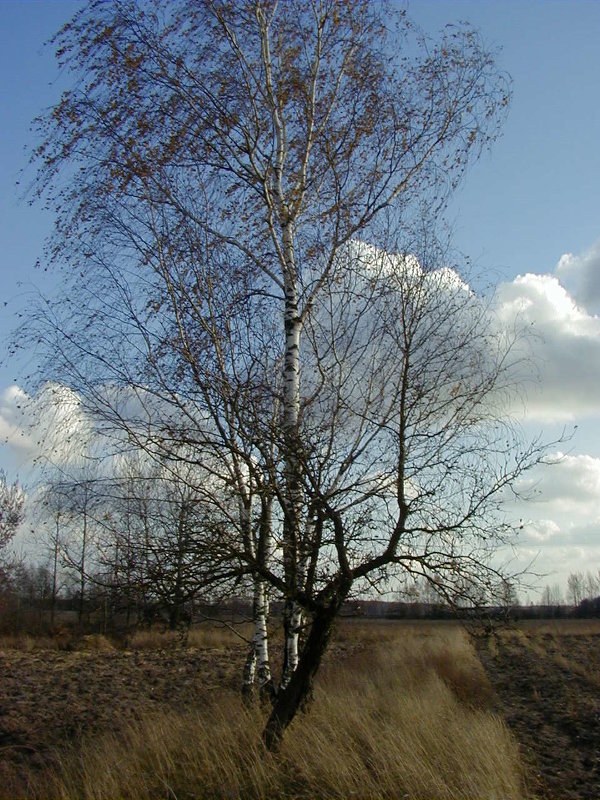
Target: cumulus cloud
<point>564,347</point>
<point>51,422</point>
<point>539,531</point>
<point>568,482</point>
<point>14,428</point>
<point>581,275</point>
<point>561,521</point>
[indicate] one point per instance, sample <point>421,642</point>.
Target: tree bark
<point>299,688</point>
<point>55,573</point>
<point>82,575</point>
<point>249,674</point>
<point>257,666</point>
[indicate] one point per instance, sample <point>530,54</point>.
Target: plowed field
<point>547,682</point>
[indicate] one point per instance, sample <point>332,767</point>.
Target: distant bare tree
<point>575,588</point>
<point>51,514</point>
<point>552,595</point>
<point>12,500</point>
<point>592,585</point>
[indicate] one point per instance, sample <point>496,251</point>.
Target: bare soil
<point>547,681</point>
<point>50,698</point>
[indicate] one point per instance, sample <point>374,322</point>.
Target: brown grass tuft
<point>95,642</point>
<point>26,643</point>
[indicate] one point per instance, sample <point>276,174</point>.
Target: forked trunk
<point>294,614</point>
<point>299,687</point>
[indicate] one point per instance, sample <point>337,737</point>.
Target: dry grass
<point>391,722</point>
<point>204,636</point>
<point>211,635</point>
<point>27,644</point>
<point>561,627</point>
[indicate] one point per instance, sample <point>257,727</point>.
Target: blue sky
<point>534,198</point>
<point>536,195</point>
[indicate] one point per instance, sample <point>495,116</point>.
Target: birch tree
<point>216,170</point>
<point>50,513</point>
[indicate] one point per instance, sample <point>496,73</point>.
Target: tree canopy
<point>246,196</point>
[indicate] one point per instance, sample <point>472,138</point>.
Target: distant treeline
<point>29,603</point>
<point>399,610</point>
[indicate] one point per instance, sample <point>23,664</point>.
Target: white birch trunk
<point>257,668</point>
<point>245,512</point>
<point>249,674</point>
<point>294,625</point>
<point>284,241</point>
<point>261,640</point>
<point>291,645</point>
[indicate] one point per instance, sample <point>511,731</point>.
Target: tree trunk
<point>249,674</point>
<point>299,688</point>
<point>266,690</point>
<point>175,615</point>
<point>55,573</point>
<point>293,619</point>
<point>82,576</point>
<point>257,666</point>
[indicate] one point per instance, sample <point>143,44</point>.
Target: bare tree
<point>576,583</point>
<point>51,507</point>
<point>12,500</point>
<point>592,585</point>
<point>552,595</point>
<point>12,505</point>
<point>175,545</point>
<point>216,171</point>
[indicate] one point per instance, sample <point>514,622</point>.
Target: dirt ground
<point>547,681</point>
<point>48,698</point>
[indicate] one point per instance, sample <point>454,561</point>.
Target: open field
<point>401,710</point>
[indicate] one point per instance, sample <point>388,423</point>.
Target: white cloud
<point>539,531</point>
<point>560,496</point>
<point>52,423</point>
<point>561,523</point>
<point>569,482</point>
<point>581,275</point>
<point>14,403</point>
<point>564,347</point>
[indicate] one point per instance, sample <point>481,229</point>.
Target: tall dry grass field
<point>405,717</point>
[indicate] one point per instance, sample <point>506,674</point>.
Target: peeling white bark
<point>282,221</point>
<point>294,627</point>
<point>291,645</point>
<point>261,637</point>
